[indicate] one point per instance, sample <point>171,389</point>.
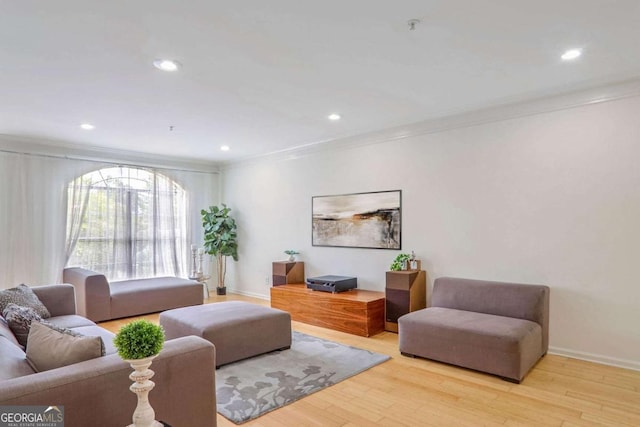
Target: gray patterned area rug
<point>250,388</point>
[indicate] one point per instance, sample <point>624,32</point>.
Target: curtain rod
<point>108,162</point>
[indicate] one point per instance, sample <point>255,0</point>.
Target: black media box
<point>332,283</point>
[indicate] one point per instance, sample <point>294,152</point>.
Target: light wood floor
<point>559,391</point>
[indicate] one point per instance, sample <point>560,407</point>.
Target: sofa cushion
<point>504,334</point>
<point>23,295</point>
<point>70,321</point>
<point>14,363</point>
<point>5,331</point>
<point>19,320</point>
<point>502,346</point>
<point>530,302</point>
<point>97,331</point>
<point>131,297</point>
<point>49,348</point>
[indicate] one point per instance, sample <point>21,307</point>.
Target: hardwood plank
<point>442,414</point>
<point>609,419</point>
<point>318,415</point>
<point>581,423</point>
<point>392,422</point>
<point>354,413</point>
<point>532,392</point>
<point>632,407</point>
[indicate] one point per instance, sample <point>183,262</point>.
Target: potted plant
<point>220,240</point>
<point>400,262</point>
<point>292,254</point>
<point>138,343</point>
<point>139,339</point>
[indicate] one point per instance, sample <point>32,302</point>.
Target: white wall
<point>552,198</point>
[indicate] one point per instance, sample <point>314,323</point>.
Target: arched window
<point>126,223</point>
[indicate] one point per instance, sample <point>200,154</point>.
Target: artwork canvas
<point>360,220</point>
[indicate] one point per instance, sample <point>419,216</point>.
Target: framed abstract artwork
<point>359,220</point>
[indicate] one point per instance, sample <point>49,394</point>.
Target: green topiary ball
<point>139,339</point>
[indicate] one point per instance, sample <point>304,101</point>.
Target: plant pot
<point>221,290</point>
<point>144,414</point>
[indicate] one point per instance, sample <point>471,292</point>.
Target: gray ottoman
<point>237,329</point>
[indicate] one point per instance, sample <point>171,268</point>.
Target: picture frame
<point>371,220</point>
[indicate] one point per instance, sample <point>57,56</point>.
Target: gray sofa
<point>96,392</point>
<point>494,327</point>
<point>99,299</point>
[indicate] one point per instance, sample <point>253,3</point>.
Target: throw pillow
<point>71,332</point>
<point>50,349</point>
<point>24,296</point>
<point>5,331</point>
<point>19,320</point>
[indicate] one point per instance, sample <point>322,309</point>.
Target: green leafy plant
<point>399,263</point>
<point>292,254</point>
<point>139,339</point>
<point>220,237</point>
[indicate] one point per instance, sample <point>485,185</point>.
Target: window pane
<point>126,223</point>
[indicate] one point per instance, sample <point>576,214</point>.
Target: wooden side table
<point>285,272</point>
<point>405,291</point>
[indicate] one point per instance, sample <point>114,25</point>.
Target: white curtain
<point>33,214</point>
<point>207,195</point>
<point>78,199</point>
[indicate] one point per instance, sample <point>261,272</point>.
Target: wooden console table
<point>355,311</point>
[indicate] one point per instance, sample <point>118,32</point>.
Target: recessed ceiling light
<point>225,148</point>
<point>87,126</point>
<point>571,54</point>
<point>166,64</point>
<point>333,116</point>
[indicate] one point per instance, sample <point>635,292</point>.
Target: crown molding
<point>504,111</point>
<point>60,149</point>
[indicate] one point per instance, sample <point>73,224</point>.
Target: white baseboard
<point>597,358</point>
<point>248,294</point>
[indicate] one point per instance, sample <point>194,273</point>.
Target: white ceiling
<point>262,76</point>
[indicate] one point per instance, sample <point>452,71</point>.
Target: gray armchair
<point>495,327</point>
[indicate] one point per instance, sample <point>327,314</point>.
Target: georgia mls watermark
<point>32,416</point>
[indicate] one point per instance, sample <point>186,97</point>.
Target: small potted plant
<point>292,254</point>
<point>139,339</point>
<point>400,263</point>
<point>138,343</point>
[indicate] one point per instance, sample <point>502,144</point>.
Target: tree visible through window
<point>126,223</point>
